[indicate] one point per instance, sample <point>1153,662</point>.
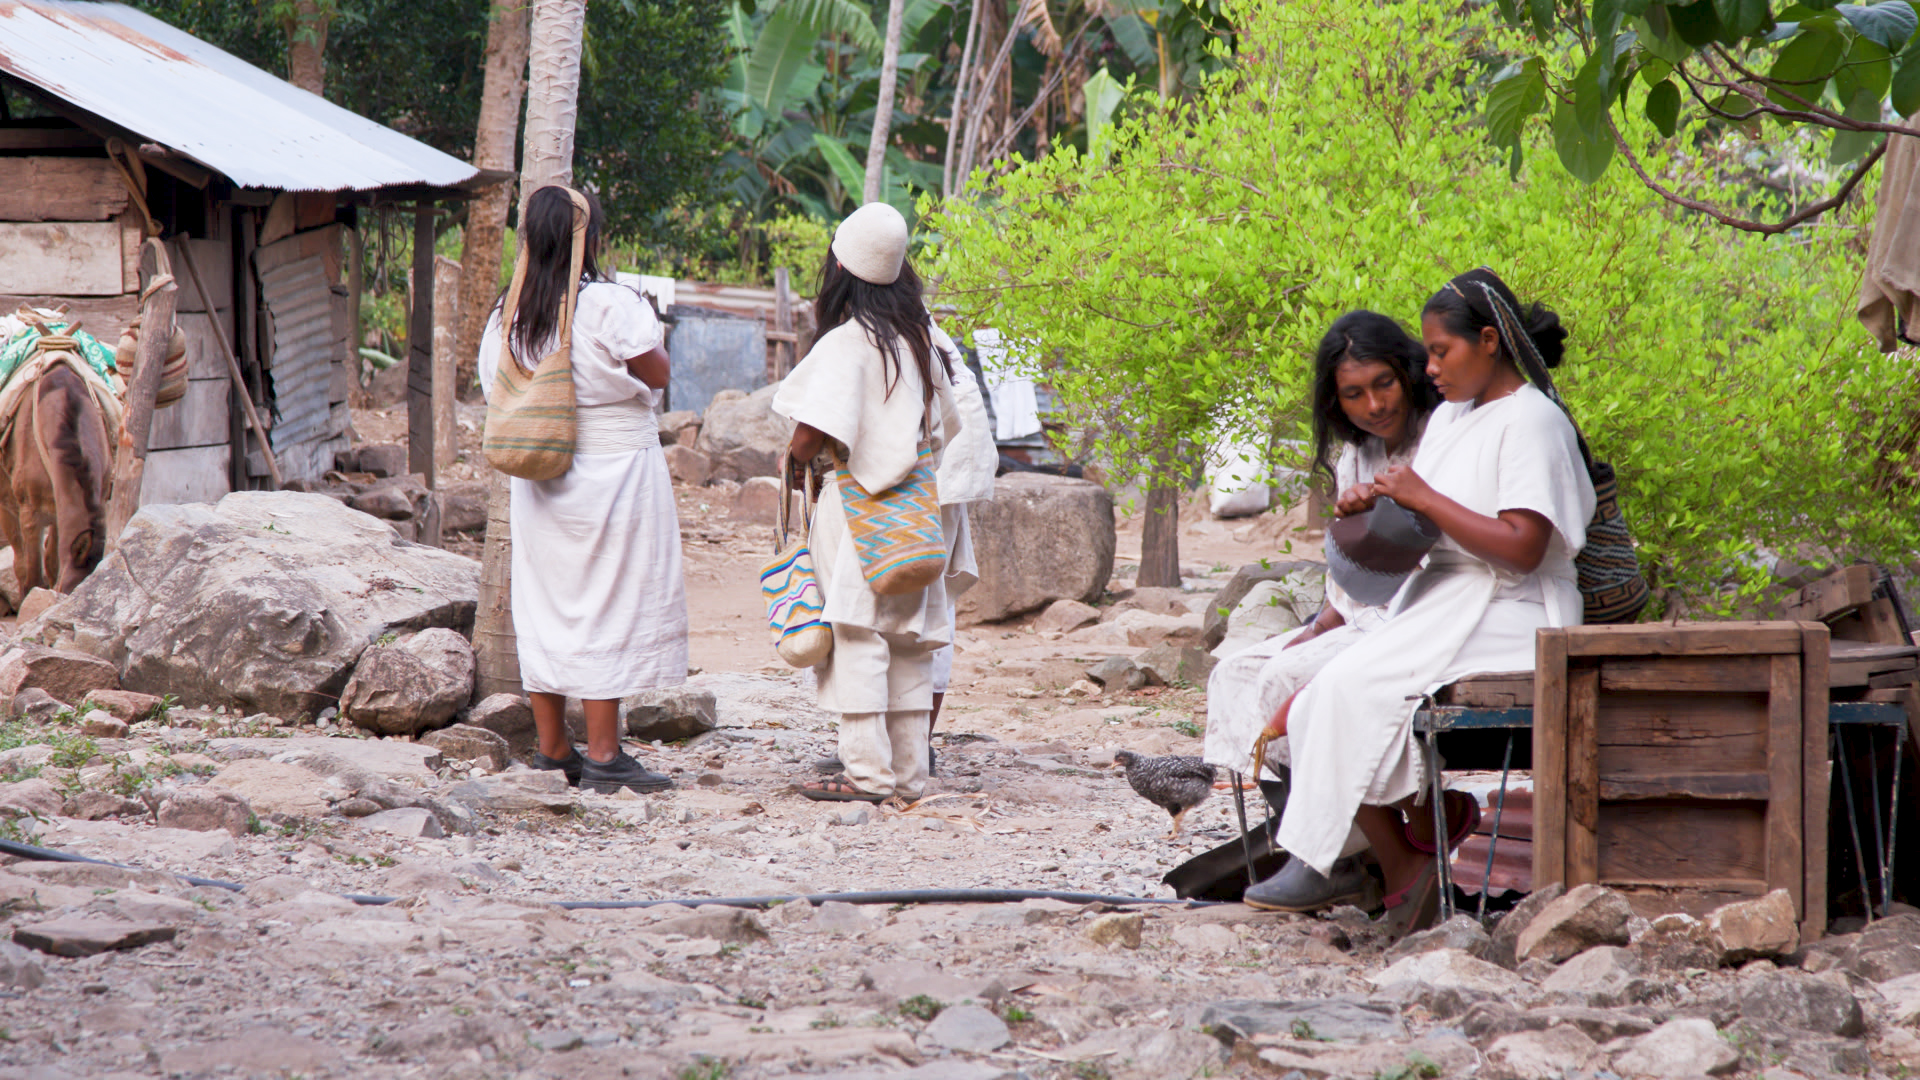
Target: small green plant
<point>1013,1013</point>
<point>1418,1067</point>
<point>1303,1029</point>
<point>159,711</point>
<point>829,1020</point>
<point>386,639</point>
<point>921,1007</point>
<point>748,1002</point>
<point>706,1068</point>
<point>1190,728</point>
<point>1088,1070</point>
<point>730,949</point>
<point>72,751</point>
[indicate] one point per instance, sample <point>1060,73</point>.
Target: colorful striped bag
<point>897,532</point>
<point>792,589</point>
<point>530,414</point>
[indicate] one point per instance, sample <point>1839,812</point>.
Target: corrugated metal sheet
<point>174,89</point>
<point>1513,858</point>
<point>305,345</point>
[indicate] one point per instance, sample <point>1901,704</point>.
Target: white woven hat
<point>872,243</point>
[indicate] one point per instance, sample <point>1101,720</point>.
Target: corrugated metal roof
<point>170,87</point>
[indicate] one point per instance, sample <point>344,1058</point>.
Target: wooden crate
<point>1684,764</point>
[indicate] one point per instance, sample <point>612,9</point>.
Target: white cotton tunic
<point>1248,687</point>
<point>1350,731</point>
<point>845,389</point>
<point>599,597</point>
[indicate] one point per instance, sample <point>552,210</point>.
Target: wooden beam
<point>446,317</point>
<point>420,352</point>
<point>1730,674</point>
<point>1732,785</point>
<point>1786,848</point>
<point>60,189</point>
<point>1815,776</point>
<point>1684,639</point>
<point>1550,758</point>
<point>156,323</point>
<point>1583,776</point>
<point>1835,594</point>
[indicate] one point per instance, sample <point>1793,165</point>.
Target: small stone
<point>380,459</point>
<point>1117,928</point>
<point>969,1029</point>
<point>1172,663</point>
<point>558,1042</point>
<point>470,742</point>
<point>206,810</point>
<point>1066,616</point>
<point>64,673</point>
<point>33,796</point>
<point>1676,942</point>
<point>1686,1047</point>
<point>99,805</point>
<point>97,724</point>
<point>1461,932</point>
<point>1764,927</point>
<point>1540,1055</point>
<point>858,814</point>
<point>413,686</point>
<point>1888,949</point>
<point>410,821</point>
<point>677,712</point>
<point>1450,969</point>
<point>416,879</point>
<point>125,704</point>
<point>274,787</point>
<point>1117,673</point>
<point>679,427</point>
<point>687,466</point>
<point>757,502</point>
<point>1800,1001</point>
<point>1083,688</point>
<point>356,807</point>
<point>716,922</point>
<point>1348,1019</point>
<point>1602,977</point>
<point>1506,933</point>
<point>36,704</point>
<point>19,967</point>
<point>36,602</point>
<point>87,935</point>
<point>1586,916</point>
<point>509,716</point>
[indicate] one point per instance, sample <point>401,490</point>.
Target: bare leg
<point>1400,861</point>
<point>934,716</point>
<point>1174,832</point>
<point>603,729</point>
<point>550,722</point>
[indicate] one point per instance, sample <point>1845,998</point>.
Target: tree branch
<point>1804,214</point>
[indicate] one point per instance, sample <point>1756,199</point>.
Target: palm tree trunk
<point>960,91</point>
<point>307,46</point>
<point>553,99</point>
<point>501,94</point>
<point>883,108</point>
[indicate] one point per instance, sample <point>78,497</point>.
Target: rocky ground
<point>475,969</point>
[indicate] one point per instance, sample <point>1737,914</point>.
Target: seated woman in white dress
<point>1500,471</point>
<point>1371,396</point>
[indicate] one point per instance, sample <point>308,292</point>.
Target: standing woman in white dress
<point>599,600</point>
<point>1500,471</point>
<point>871,389</point>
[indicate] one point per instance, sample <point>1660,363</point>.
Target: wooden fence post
<point>156,333</point>
<point>446,327</point>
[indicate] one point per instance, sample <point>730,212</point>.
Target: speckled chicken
<point>1173,782</point>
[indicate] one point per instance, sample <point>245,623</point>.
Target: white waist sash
<point>619,428</point>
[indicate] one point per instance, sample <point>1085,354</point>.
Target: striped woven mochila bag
<point>791,588</point>
<point>530,417</point>
<point>897,532</point>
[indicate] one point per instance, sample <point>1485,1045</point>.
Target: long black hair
<point>1365,336</point>
<point>888,313</point>
<point>546,234</point>
<point>1463,309</point>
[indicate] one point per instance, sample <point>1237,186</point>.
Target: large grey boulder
<point>1039,539</point>
<point>742,436</point>
<point>410,686</point>
<point>262,602</point>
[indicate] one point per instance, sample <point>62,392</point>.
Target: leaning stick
<point>233,367</point>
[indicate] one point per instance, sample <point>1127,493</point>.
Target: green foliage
<point>1418,1067</point>
<point>921,1007</point>
<point>1810,65</point>
<point>1180,291</point>
<point>706,1068</point>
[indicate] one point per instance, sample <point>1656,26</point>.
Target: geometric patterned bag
<point>530,414</point>
<point>897,531</point>
<point>792,589</point>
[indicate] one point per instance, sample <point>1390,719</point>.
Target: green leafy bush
<point>1180,288</point>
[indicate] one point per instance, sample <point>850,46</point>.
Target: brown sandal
<point>838,788</point>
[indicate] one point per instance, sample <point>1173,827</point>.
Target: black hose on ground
<point>898,896</point>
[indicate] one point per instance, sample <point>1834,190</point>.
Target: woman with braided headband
<point>1499,470</point>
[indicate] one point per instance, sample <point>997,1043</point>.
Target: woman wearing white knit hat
<point>872,389</point>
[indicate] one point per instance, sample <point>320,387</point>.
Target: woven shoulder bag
<point>792,588</point>
<point>530,414</point>
<point>897,532</point>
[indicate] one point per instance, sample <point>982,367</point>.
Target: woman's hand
<point>1327,621</point>
<point>1357,499</point>
<point>1404,486</point>
<point>801,450</point>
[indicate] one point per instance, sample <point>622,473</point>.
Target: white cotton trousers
<point>882,687</point>
<point>886,752</point>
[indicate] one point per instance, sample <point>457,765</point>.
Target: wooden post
<point>1550,758</point>
<point>156,333</point>
<point>493,620</point>
<point>782,323</point>
<point>446,327</point>
<point>420,351</point>
<point>1816,780</point>
<point>1583,776</point>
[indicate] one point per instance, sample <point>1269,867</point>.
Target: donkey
<point>55,464</point>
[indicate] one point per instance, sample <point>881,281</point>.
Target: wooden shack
<point>115,126</point>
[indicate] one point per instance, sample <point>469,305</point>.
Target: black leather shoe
<point>1300,888</point>
<point>569,765</point>
<point>622,772</point>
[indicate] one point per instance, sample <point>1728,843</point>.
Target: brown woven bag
<point>530,417</point>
